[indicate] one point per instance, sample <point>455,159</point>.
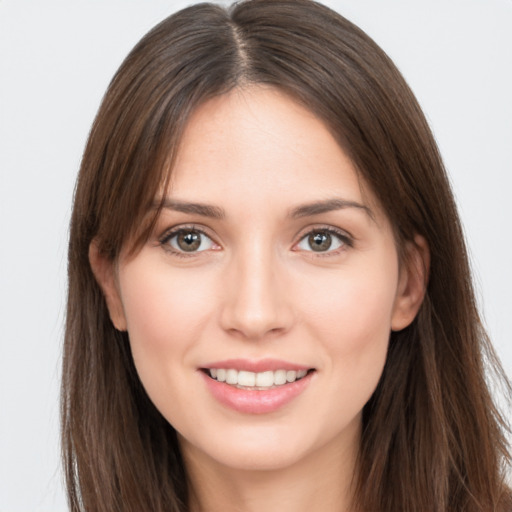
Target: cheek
<point>353,327</point>
<point>355,305</point>
<point>162,306</point>
<point>165,312</point>
<point>352,318</point>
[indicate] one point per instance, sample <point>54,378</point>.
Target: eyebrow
<point>305,210</point>
<point>205,210</point>
<point>328,205</point>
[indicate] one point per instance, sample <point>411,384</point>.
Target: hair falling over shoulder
<point>433,439</point>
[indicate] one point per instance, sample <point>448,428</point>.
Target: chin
<point>258,457</point>
<point>269,447</point>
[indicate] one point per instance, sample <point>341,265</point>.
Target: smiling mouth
<point>257,381</point>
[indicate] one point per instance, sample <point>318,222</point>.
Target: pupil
<point>189,241</point>
<point>320,241</point>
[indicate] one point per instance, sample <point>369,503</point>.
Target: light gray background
<point>56,59</point>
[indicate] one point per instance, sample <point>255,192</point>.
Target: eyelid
<point>344,236</point>
<point>173,231</point>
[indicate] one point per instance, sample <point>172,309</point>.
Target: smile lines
<point>253,380</point>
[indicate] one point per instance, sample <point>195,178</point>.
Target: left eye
<point>189,240</point>
<point>321,241</point>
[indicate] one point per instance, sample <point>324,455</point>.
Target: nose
<point>256,303</point>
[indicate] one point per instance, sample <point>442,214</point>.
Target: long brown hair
<point>432,439</point>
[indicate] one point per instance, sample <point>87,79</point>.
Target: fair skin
<point>261,281</point>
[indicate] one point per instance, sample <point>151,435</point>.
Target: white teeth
<point>231,377</point>
<point>265,379</point>
<point>246,378</point>
<point>258,380</point>
<point>291,375</point>
<point>279,377</point>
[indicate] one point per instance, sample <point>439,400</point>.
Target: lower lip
<point>256,401</point>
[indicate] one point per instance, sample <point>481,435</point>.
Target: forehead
<point>257,145</point>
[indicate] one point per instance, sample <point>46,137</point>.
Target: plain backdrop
<point>56,60</point>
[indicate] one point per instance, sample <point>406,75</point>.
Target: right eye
<point>188,240</point>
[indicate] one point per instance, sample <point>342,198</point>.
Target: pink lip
<point>249,401</point>
<point>262,365</point>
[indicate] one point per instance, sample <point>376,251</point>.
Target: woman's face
<point>269,261</point>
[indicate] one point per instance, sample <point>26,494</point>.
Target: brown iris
<point>320,241</point>
<point>188,241</point>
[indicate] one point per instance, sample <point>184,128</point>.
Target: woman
<point>270,302</point>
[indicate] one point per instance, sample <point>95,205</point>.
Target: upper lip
<point>256,366</point>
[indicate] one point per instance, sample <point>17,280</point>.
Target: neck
<point>321,481</point>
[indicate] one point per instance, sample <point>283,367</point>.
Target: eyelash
<point>346,240</point>
<point>173,232</point>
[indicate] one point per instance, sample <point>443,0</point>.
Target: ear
<point>105,273</point>
<point>412,283</point>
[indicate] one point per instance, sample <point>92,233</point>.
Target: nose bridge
<point>256,302</point>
